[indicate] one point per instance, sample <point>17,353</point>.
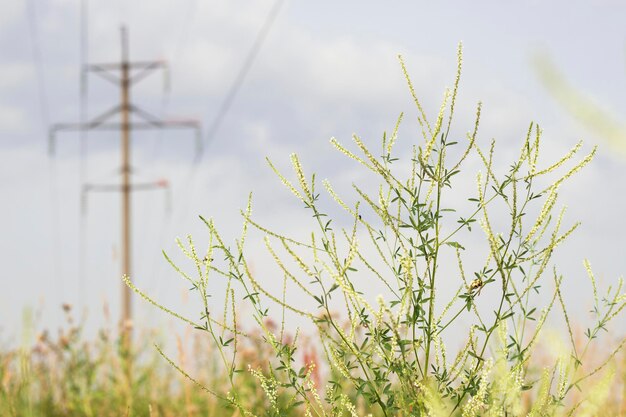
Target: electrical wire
<point>83,136</point>
<point>37,57</point>
<point>242,74</point>
<point>38,62</point>
<point>183,39</point>
<point>228,101</point>
<point>166,99</point>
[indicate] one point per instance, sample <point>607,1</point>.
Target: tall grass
<point>392,356</point>
<point>67,375</point>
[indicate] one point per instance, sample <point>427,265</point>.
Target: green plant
<point>69,376</point>
<point>390,356</point>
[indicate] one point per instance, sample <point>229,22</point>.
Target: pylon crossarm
<point>117,187</point>
<point>98,120</point>
<point>92,124</point>
<point>116,66</point>
<point>104,73</point>
<point>106,188</point>
<point>150,118</point>
<point>147,70</point>
<point>118,126</point>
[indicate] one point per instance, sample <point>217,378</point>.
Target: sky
<point>326,69</point>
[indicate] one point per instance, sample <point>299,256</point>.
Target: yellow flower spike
<point>183,248</point>
<point>563,376</point>
<point>429,192</point>
<point>438,124</point>
<point>314,246</point>
<point>335,196</point>
<point>225,311</point>
<point>297,167</point>
<point>259,288</point>
<point>285,181</point>
<point>538,133</point>
<point>278,236</point>
<point>557,283</point>
<point>381,213</point>
<point>394,134</point>
<point>514,206</point>
<point>586,160</point>
<point>546,209</point>
<point>484,222</point>
<point>458,365</point>
<point>349,154</point>
<point>423,120</point>
<point>377,167</point>
<point>414,163</point>
<point>592,279</point>
<point>380,300</point>
<point>282,266</point>
<point>569,155</point>
<point>246,218</point>
<point>451,303</point>
<point>143,295</point>
<point>457,80</point>
<point>296,258</point>
<point>476,403</point>
<point>187,376</point>
<point>269,386</point>
<point>383,201</point>
<point>471,139</point>
<point>526,151</point>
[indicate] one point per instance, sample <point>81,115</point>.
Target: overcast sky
<point>327,69</point>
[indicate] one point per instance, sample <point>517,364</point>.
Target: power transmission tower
<point>125,74</point>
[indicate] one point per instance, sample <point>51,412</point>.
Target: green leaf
<point>456,245</point>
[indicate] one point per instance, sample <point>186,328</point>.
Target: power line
<point>154,250</point>
<point>38,61</point>
<point>243,72</point>
<point>230,97</point>
<point>183,38</point>
<point>82,115</point>
<point>165,103</point>
<point>37,57</point>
